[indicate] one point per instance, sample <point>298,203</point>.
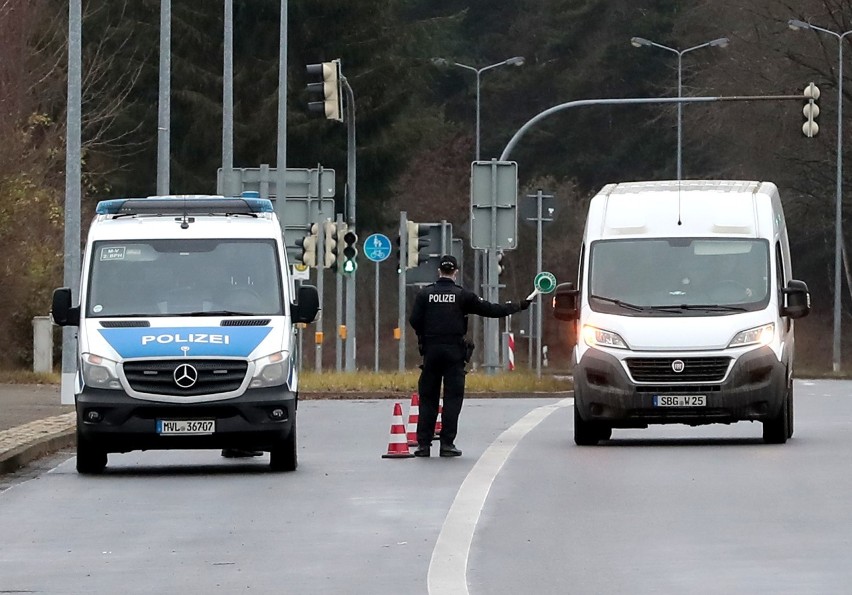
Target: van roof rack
<point>190,204</point>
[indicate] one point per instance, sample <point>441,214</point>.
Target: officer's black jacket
<point>440,311</point>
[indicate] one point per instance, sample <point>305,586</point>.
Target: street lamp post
<point>642,42</point>
<point>492,292</point>
<point>515,61</point>
<point>838,223</point>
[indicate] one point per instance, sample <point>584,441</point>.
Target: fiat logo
<point>678,366</point>
<point>185,375</point>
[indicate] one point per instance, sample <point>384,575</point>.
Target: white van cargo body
<point>186,323</point>
<point>683,309</point>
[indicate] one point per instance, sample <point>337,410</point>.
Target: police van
<point>186,329</point>
<point>683,309</point>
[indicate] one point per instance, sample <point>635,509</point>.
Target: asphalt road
<point>665,510</point>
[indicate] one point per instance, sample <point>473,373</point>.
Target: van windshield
<point>184,277</point>
<point>660,276</point>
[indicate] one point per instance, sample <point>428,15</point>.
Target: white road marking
<point>448,567</point>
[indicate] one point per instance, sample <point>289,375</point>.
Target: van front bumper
<point>753,390</point>
<point>115,422</point>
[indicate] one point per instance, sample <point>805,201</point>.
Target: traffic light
<point>417,240</point>
<point>501,266</point>
<point>330,90</point>
<point>329,245</point>
<point>350,253</point>
<point>811,110</point>
<point>308,244</point>
<point>341,230</point>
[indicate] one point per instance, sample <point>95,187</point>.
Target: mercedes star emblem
<point>185,375</point>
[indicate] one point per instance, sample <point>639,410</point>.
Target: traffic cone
<point>438,425</point>
<point>397,445</point>
<point>413,418</point>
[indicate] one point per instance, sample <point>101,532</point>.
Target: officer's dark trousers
<point>441,363</point>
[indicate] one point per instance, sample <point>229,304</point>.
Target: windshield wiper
<point>617,302</point>
<point>713,307</point>
<point>671,309</point>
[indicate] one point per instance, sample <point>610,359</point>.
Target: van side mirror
<point>565,306</point>
<point>63,313</point>
<point>306,308</point>
<point>797,299</point>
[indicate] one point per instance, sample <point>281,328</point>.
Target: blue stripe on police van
<point>188,341</point>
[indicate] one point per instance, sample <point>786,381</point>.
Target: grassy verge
<point>27,377</point>
<point>515,382</point>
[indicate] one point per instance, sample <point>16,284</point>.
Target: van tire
<point>90,459</point>
<point>776,430</point>
<point>588,433</point>
<point>284,455</point>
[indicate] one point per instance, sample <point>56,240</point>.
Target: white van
<point>683,309</point>
<point>186,321</point>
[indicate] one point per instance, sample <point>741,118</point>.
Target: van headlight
<point>760,335</point>
<point>595,337</point>
<point>99,372</point>
<point>271,370</point>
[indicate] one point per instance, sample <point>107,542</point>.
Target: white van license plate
<point>186,426</point>
<point>680,401</point>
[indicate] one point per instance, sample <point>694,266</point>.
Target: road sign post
<point>377,248</point>
<point>494,226</point>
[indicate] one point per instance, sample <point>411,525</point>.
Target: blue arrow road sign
<point>377,247</point>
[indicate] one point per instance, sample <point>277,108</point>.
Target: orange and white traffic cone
<point>413,418</point>
<point>438,425</point>
<point>397,445</point>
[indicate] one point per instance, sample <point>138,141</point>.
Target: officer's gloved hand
<point>525,304</point>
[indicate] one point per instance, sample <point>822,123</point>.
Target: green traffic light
<point>349,267</point>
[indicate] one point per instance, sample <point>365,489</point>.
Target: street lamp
<point>641,41</point>
<point>796,25</point>
<point>515,61</point>
<point>477,268</point>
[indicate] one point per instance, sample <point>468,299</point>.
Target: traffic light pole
<point>351,291</point>
<point>320,292</point>
<point>507,151</point>
<point>403,259</point>
<point>338,305</point>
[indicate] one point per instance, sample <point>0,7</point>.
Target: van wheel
<point>776,429</point>
<point>283,456</point>
<point>588,433</point>
<point>90,459</point>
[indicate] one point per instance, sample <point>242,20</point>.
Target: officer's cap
<point>448,263</point>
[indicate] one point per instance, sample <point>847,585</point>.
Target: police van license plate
<point>186,426</point>
<point>680,400</point>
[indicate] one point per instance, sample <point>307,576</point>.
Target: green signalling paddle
<point>544,283</point>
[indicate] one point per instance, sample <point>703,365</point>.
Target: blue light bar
<point>109,207</point>
<point>171,205</point>
<point>259,205</point>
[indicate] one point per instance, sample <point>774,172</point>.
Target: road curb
<point>23,444</point>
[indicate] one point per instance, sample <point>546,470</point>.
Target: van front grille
<point>185,377</point>
<point>693,369</point>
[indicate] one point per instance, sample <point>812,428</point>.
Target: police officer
<point>439,318</point>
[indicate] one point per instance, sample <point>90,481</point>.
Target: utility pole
<point>73,132</point>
